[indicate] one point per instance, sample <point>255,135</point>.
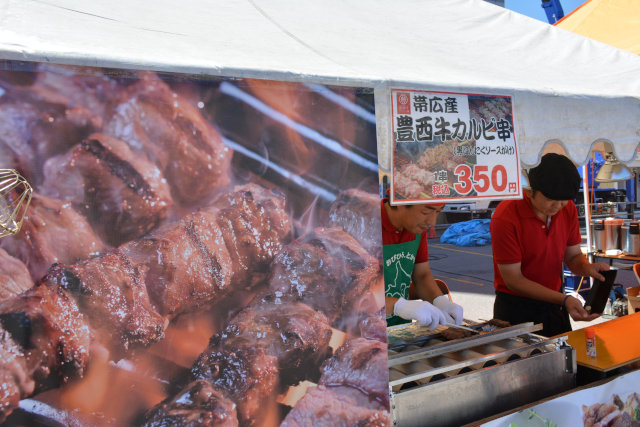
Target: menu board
<point>451,146</point>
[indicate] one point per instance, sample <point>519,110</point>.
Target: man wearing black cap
<point>531,238</point>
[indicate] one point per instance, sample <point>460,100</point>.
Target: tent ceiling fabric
<point>566,88</point>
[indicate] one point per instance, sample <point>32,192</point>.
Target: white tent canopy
<point>566,88</point>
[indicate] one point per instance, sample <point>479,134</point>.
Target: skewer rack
<point>437,382</point>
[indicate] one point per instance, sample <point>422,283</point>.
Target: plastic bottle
<point>590,335</point>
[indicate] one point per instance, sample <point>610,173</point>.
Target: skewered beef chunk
<point>246,375</point>
<point>84,91</point>
<point>358,213</point>
<point>111,291</point>
<point>451,334</point>
<point>198,404</point>
<point>159,123</point>
<point>52,337</point>
<point>295,333</point>
<point>14,276</point>
<point>132,291</point>
<point>353,389</point>
<point>335,406</point>
<point>35,129</point>
<point>359,363</point>
<point>202,257</point>
<point>499,323</point>
<point>264,347</point>
<point>125,194</point>
<point>327,269</point>
<point>52,232</point>
<point>374,327</point>
<point>15,380</point>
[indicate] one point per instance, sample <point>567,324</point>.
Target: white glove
<point>423,312</point>
<point>452,312</point>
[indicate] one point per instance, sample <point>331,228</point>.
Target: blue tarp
<point>468,233</point>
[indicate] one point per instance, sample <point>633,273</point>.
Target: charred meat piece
<point>374,327</point>
<point>358,213</point>
<point>295,333</point>
<point>15,380</point>
<point>247,376</point>
<point>14,276</point>
<point>52,232</point>
<point>34,129</point>
<point>499,323</point>
<point>200,258</point>
<point>451,334</point>
<point>125,195</point>
<point>131,292</point>
<point>327,269</point>
<point>198,404</point>
<point>335,406</point>
<point>112,293</point>
<point>164,126</point>
<point>87,93</point>
<point>615,413</point>
<point>51,336</point>
<point>360,364</point>
<point>263,348</point>
<point>353,389</point>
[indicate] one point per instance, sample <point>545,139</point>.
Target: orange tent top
<point>614,22</point>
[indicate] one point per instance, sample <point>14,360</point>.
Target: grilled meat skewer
<point>131,292</point>
<point>45,343</point>
<point>124,196</point>
<point>325,269</point>
<point>164,127</point>
<point>127,295</point>
<point>266,346</point>
<point>328,270</point>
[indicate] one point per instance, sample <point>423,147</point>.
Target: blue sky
<point>533,8</point>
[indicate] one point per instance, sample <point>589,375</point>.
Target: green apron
<point>399,260</point>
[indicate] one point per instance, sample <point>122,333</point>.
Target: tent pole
<point>587,210</point>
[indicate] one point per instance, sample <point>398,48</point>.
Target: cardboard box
<point>633,298</point>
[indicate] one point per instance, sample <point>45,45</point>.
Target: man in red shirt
<point>531,238</point>
<point>406,260</point>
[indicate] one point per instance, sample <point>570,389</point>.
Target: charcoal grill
<point>436,382</point>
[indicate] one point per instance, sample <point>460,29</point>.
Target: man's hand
<point>452,312</point>
<point>577,312</point>
<point>423,312</point>
<point>593,270</point>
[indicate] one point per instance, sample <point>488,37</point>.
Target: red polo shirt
<point>518,235</point>
<point>392,236</point>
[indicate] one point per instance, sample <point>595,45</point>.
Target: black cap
<point>556,177</point>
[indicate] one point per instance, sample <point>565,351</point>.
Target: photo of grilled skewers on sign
<point>430,171</point>
<point>196,252</point>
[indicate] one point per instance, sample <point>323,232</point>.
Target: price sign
<point>452,146</point>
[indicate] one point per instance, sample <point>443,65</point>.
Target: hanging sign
<point>452,146</point>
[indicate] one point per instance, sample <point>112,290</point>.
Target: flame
<point>87,395</point>
<point>284,97</point>
<point>186,338</point>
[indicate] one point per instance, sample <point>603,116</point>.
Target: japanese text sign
<point>451,146</point>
